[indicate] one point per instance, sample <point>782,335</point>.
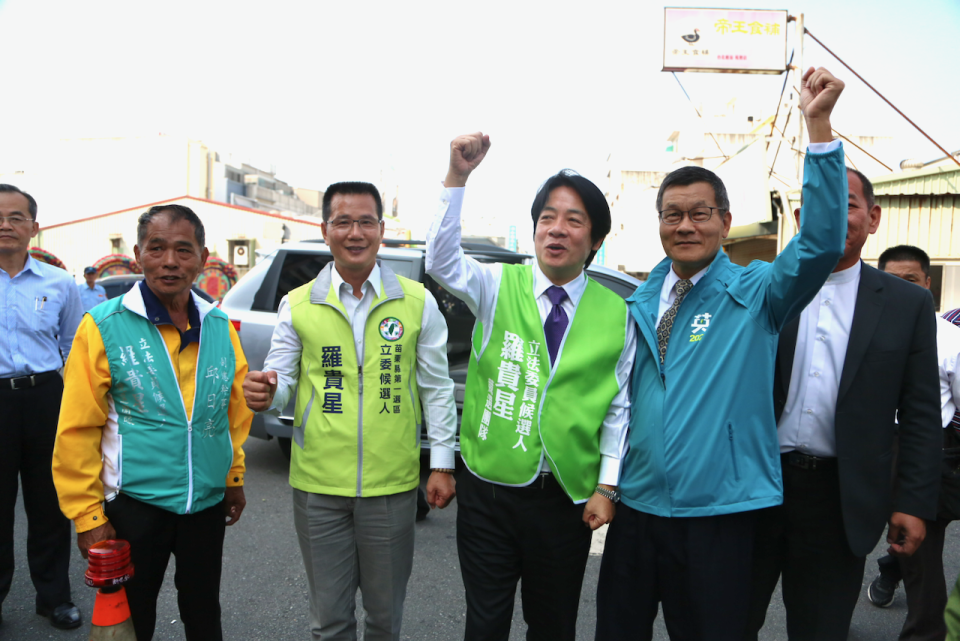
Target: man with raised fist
<point>546,410</point>
<point>703,457</point>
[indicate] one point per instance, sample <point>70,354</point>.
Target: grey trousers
<point>348,543</point>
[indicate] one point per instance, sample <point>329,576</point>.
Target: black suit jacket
<point>890,367</point>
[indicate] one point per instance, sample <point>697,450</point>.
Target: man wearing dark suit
<point>862,354</point>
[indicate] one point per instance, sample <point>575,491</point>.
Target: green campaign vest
<point>517,409</point>
<point>166,460</point>
<point>357,428</point>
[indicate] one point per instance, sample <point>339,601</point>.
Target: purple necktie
<point>557,321</point>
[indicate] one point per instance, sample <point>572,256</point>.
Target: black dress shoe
<point>65,616</point>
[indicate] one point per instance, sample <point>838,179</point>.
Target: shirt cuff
<point>92,519</point>
<point>235,479</point>
<point>823,147</point>
<point>442,457</point>
<point>452,197</point>
<point>609,471</point>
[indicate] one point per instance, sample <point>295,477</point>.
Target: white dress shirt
<point>807,422</point>
<point>948,352</point>
<point>478,285</point>
<point>433,378</point>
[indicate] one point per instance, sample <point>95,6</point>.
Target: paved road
<point>264,593</point>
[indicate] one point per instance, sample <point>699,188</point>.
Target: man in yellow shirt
<point>149,443</point>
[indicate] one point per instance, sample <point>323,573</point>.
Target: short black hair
<point>351,188</point>
<point>176,212</point>
<point>904,252</point>
<point>597,208</point>
<point>31,203</point>
<point>867,187</point>
<point>691,175</point>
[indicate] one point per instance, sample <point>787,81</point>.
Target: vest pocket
<point>733,452</point>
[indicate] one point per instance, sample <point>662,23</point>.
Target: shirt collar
<point>32,265</point>
<point>574,288</point>
<point>158,315</point>
<point>373,280</point>
<point>845,276</point>
<point>672,278</point>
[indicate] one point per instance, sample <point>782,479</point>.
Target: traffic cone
<point>109,569</point>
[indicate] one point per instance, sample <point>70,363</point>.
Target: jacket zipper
<point>360,429</point>
<point>733,452</point>
<point>189,420</point>
<point>363,351</point>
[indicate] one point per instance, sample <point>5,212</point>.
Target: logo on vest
<point>700,324</point>
<point>391,328</point>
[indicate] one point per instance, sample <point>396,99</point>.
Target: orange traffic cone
<point>111,616</point>
<point>108,570</point>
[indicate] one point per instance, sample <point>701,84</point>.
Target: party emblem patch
<point>391,328</point>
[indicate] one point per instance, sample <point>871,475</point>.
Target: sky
<point>329,91</point>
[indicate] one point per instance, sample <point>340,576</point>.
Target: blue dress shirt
<point>90,298</point>
<point>39,313</point>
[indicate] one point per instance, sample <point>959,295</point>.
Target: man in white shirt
<point>922,573</point>
<point>355,465</point>
<point>861,358</point>
<point>546,405</point>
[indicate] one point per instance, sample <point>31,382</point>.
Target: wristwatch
<point>442,470</point>
<point>613,495</point>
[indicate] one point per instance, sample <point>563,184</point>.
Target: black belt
<point>807,461</point>
<point>28,381</point>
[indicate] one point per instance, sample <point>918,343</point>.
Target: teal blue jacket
<point>158,455</point>
<point>703,438</point>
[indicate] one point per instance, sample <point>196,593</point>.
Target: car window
<point>298,269</point>
<point>460,321</point>
<point>119,289</point>
<point>624,289</point>
<point>403,268</point>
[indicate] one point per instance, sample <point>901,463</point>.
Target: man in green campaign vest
<point>546,410</point>
<point>363,348</point>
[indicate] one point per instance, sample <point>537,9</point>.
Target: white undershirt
<point>807,422</point>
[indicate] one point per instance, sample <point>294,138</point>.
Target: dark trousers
<point>28,429</point>
<point>697,567</point>
<point>924,584</point>
<point>532,534</point>
<point>197,542</point>
<point>804,541</point>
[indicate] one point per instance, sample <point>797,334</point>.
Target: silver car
<point>253,302</point>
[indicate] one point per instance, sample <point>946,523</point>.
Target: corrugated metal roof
<point>928,181</point>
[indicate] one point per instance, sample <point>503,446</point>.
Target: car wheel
<point>284,444</point>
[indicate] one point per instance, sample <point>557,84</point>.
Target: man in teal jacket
<point>703,451</point>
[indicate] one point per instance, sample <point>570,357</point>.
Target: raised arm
<point>474,283</point>
<point>798,273</point>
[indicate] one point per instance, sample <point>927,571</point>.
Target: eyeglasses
<point>16,221</point>
<point>346,224</point>
<point>696,215</point>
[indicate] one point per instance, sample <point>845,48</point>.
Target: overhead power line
<point>917,127</point>
<point>698,113</point>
